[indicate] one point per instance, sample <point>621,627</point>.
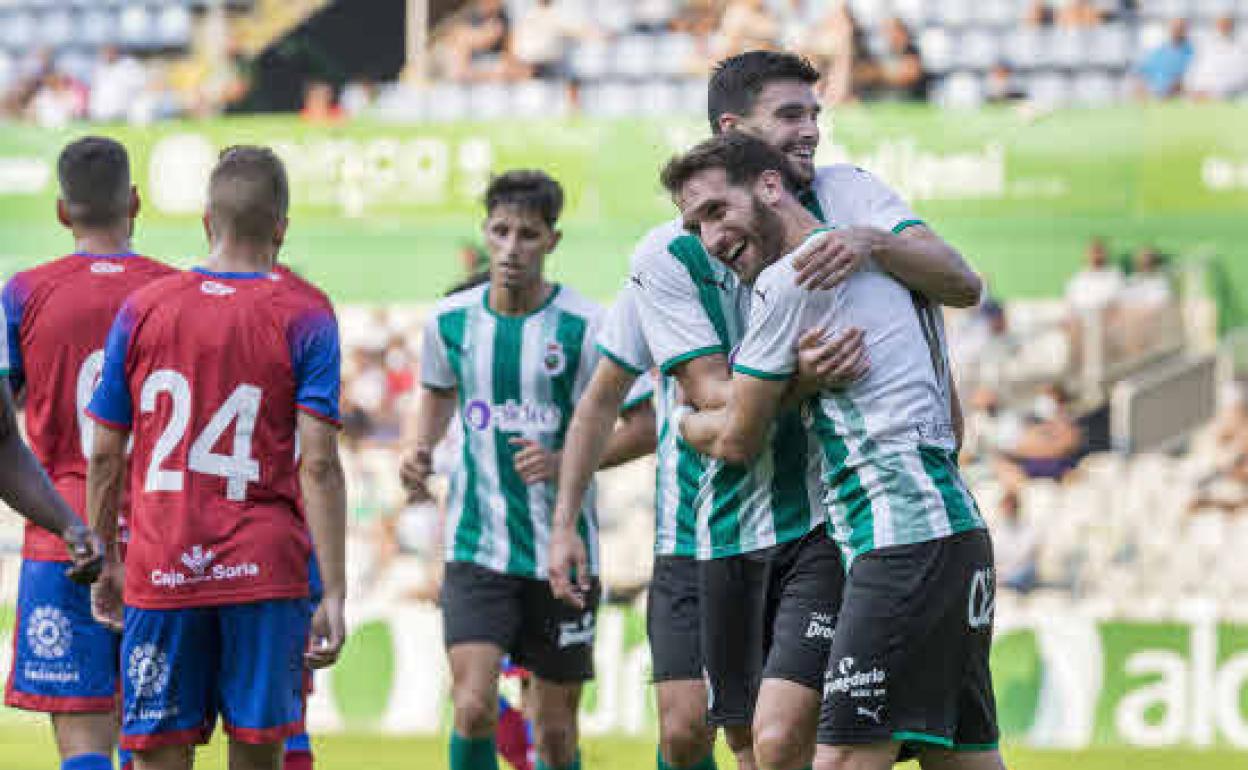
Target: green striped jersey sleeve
<point>769,350</point>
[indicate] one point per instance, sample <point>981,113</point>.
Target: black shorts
<point>910,659</point>
<point>768,615</point>
<point>552,639</point>
<point>673,620</point>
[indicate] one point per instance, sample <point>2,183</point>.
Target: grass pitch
<point>29,746</point>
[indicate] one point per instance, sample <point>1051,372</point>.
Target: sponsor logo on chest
<point>513,416</point>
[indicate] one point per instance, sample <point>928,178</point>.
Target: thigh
<point>480,606</point>
<point>64,662</point>
<point>673,620</point>
<point>807,584</point>
<point>260,688</point>
<point>556,640</point>
<point>169,666</point>
<point>733,599</point>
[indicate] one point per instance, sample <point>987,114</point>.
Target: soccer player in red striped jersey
<point>217,373</point>
<point>57,318</point>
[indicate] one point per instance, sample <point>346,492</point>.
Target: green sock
<point>706,763</point>
<point>576,764</point>
<point>473,753</point>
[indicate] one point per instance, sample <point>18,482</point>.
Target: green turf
<point>29,747</point>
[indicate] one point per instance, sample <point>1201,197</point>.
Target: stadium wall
<point>379,209</point>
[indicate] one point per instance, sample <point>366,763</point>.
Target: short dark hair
<point>527,189</point>
<point>94,174</point>
<point>742,156</point>
<point>248,192</point>
<point>738,80</point>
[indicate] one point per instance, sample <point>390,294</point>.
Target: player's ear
<point>279,232</point>
<point>769,187</point>
<point>207,220</point>
<point>555,237</point>
<point>62,213</point>
<point>728,121</point>
<point>135,202</point>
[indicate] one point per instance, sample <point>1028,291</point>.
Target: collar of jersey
<point>214,274</point>
<point>89,255</point>
<point>485,301</point>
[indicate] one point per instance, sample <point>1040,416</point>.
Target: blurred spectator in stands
<point>1015,545</point>
<point>654,17</point>
<point>30,73</point>
<point>898,73</point>
<point>319,105</point>
<point>472,260</point>
<point>1148,286</point>
<point>698,17</point>
<point>1078,14</point>
<point>477,42</point>
<point>1225,491</point>
<point>1220,67</point>
<point>1097,285</point>
<point>747,25</point>
<point>985,350</point>
<point>1001,86</point>
<point>58,101</point>
<point>116,82</point>
<point>539,41</point>
<point>1045,444</point>
<point>831,42</point>
<point>1038,14</point>
<point>1160,74</point>
<point>358,97</point>
<point>224,84</point>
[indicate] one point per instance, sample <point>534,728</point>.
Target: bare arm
<point>634,437</point>
<point>324,488</point>
<point>705,381</point>
<point>434,409</point>
<point>740,430</point>
<point>106,474</point>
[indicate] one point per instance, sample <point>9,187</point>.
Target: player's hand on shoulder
<point>569,567</point>
<point>86,553</point>
<point>828,258</point>
<point>414,473</point>
<point>829,362</point>
<point>106,606</point>
<point>535,463</point>
<point>329,632</point>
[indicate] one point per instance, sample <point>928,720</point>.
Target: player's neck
<point>798,224</point>
<point>102,241</point>
<point>506,300</point>
<point>236,256</point>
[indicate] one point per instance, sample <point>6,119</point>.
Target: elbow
<point>968,290</point>
<point>321,471</point>
<point>735,452</point>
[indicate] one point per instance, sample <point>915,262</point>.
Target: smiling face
<point>735,223</point>
<point>518,240</point>
<point>786,116</point>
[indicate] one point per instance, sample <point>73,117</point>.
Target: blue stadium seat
<point>77,64</point>
<point>589,60</point>
<point>136,26</point>
<point>21,31</point>
<point>1050,89</point>
<point>675,53</point>
<point>660,98</point>
<point>1110,45</point>
<point>979,49</point>
<point>1027,48</point>
<point>634,56</point>
<point>97,27</point>
<point>1167,9</point>
<point>173,26</point>
<point>953,13</point>
<point>1071,48</point>
<point>996,13</point>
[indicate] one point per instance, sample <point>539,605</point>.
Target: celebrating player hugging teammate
<point>767,594</point>
<point>909,661</point>
<point>513,356</point>
<point>219,373</point>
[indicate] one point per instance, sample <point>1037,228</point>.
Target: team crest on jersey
<point>148,669</point>
<point>49,633</point>
<point>216,289</point>
<point>554,361</point>
<point>107,268</point>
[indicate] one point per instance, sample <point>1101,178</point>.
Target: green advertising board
<point>379,210</point>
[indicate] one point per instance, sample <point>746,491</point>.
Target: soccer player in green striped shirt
<point>512,357</point>
<point>909,662</point>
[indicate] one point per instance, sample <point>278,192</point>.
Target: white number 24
<point>241,409</point>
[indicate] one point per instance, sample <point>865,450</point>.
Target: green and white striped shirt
<point>515,376</point>
<point>678,473</point>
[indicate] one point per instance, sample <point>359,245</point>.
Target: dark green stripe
<point>810,199</point>
<point>789,496</point>
<point>689,469</point>
<point>976,746</point>
<point>897,228</point>
<point>715,350</point>
<point>759,374</point>
<point>620,362</point>
<point>906,736</point>
<point>689,252</point>
<point>943,473</point>
<point>570,333</point>
<point>636,402</point>
<point>726,506</point>
<point>467,536</point>
<point>507,347</point>
<point>845,484</point>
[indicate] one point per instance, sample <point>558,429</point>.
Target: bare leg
<point>474,688</point>
<point>255,756</point>
<point>165,758</point>
<point>684,737</point>
<point>785,721</point>
<point>554,721</point>
<point>875,756</point>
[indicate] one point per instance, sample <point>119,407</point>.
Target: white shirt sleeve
<point>777,311</point>
<point>621,338</point>
<point>435,365</point>
<point>858,197</point>
<point>676,321</point>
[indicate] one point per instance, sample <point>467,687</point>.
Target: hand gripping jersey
<point>58,316</point>
<point>679,468</point>
<point>890,472</point>
<point>208,370</point>
<point>515,377</point>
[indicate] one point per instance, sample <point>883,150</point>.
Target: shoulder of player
<point>163,285</point>
<point>569,300</point>
<point>778,278</point>
<point>460,300</point>
<point>655,247</point>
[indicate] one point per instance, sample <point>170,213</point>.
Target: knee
<point>684,740</point>
<point>475,714</point>
<point>833,758</point>
<point>775,746</point>
<point>739,738</point>
<point>556,741</point>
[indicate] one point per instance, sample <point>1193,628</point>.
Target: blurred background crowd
<point>143,60</point>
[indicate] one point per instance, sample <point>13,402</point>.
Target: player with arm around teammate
<point>513,357</point>
<point>909,661</point>
<point>217,372</point>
